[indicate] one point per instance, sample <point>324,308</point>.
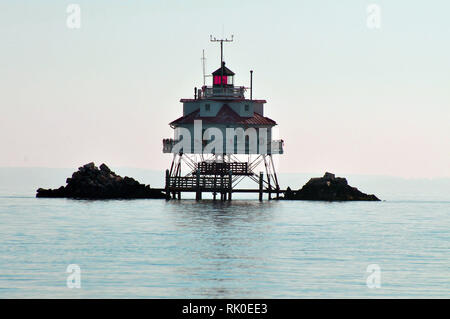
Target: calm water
<point>243,249</point>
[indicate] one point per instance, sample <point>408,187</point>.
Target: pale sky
<point>348,99</point>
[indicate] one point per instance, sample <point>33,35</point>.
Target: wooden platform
<point>221,185</point>
<point>241,190</point>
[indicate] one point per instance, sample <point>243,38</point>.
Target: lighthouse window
<point>246,107</point>
<point>207,107</point>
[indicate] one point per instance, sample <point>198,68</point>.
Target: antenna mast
<point>221,50</point>
<point>221,45</point>
<point>204,71</point>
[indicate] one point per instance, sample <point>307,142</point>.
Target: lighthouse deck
<point>208,92</point>
<point>223,185</point>
<point>235,190</point>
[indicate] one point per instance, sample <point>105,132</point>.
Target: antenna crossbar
<point>214,39</point>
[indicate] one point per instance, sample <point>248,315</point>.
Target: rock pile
<point>328,188</point>
<point>90,182</point>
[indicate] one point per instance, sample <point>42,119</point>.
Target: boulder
<point>328,188</point>
<point>90,182</point>
<point>105,168</point>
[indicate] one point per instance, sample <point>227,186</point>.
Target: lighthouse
<point>222,138</point>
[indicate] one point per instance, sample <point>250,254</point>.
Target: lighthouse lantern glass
<point>219,80</point>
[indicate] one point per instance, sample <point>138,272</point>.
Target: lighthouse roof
<point>226,71</point>
<point>225,116</point>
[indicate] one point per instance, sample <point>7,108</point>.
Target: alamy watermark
<point>221,140</point>
<point>373,20</point>
<point>374,279</point>
<point>73,20</point>
<point>74,277</point>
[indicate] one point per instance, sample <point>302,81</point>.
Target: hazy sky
<point>348,99</point>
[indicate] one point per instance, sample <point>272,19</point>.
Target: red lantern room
<point>223,76</point>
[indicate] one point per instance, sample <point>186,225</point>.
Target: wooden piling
<point>261,179</point>
<point>198,194</point>
<point>215,187</point>
<point>230,187</point>
<point>167,184</point>
<point>222,194</point>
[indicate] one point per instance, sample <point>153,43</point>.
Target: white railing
<point>168,144</point>
<point>277,147</point>
<point>228,92</point>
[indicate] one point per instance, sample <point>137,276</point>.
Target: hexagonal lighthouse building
<point>222,138</point>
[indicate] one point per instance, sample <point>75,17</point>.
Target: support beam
<point>277,186</point>
<point>221,183</point>
<point>268,178</point>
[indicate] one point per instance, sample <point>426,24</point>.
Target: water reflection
<point>220,214</point>
<point>222,244</point>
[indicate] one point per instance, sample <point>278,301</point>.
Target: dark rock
<point>328,188</point>
<point>289,193</point>
<point>105,168</point>
<point>329,175</point>
<point>89,166</point>
<point>90,182</point>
